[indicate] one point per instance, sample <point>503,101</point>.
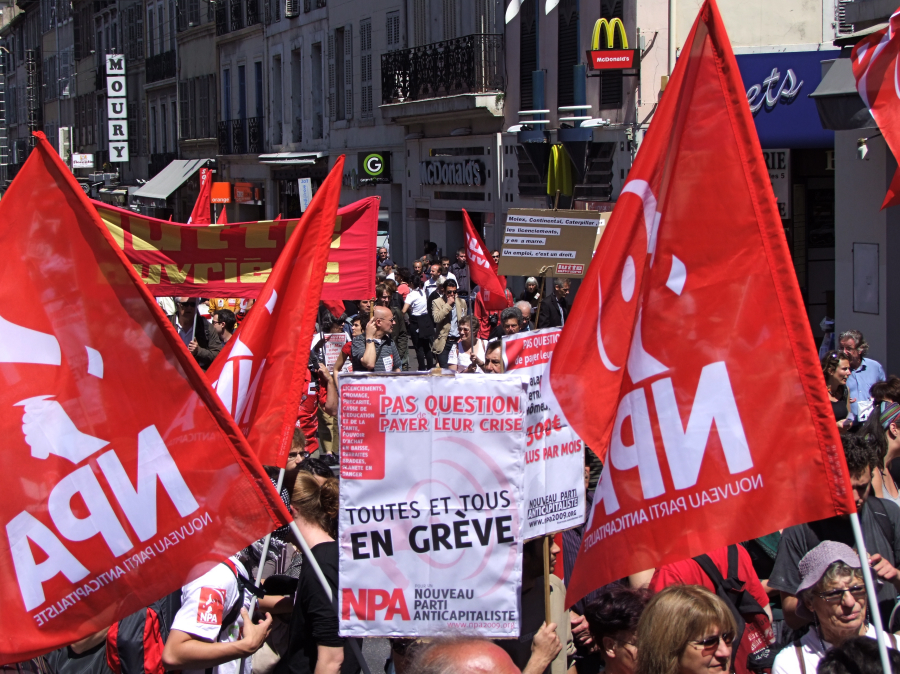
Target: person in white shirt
<point>832,593</point>
<point>212,629</point>
<point>466,356</point>
<point>445,270</point>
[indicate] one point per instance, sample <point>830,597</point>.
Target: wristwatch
<point>370,341</point>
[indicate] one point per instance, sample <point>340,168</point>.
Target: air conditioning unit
<point>291,8</point>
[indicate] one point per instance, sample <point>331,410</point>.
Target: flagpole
<point>308,557</point>
<point>870,591</point>
<point>547,612</point>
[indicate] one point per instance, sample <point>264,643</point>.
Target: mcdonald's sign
<point>604,54</point>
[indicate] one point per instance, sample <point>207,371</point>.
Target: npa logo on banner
<point>117,454</point>
<point>235,260</point>
<point>687,361</point>
<point>432,504</point>
<point>554,454</point>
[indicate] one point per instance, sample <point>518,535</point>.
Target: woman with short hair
<point>685,629</point>
<point>613,619</point>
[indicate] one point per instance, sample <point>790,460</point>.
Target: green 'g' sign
<point>375,167</point>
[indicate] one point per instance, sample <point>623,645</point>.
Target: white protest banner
<point>554,455</point>
<point>430,526</point>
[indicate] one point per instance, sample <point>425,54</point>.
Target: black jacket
<point>553,312</point>
<point>208,341</point>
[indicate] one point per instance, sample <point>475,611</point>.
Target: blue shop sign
<point>778,85</point>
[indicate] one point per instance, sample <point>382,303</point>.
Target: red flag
<point>200,214</point>
<point>874,62</point>
<point>123,476</point>
<point>223,217</point>
<point>260,373</point>
<point>483,269</point>
<point>686,324</point>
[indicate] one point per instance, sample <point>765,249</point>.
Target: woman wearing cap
<point>833,596</point>
<point>685,629</point>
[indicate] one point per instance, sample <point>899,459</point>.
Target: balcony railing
<point>470,64</point>
<point>161,66</point>
<point>221,17</point>
<point>252,12</point>
<point>241,136</point>
<point>237,15</point>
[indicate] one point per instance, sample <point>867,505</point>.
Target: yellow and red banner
<point>174,259</point>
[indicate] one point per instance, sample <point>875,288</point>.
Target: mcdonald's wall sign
<point>604,54</point>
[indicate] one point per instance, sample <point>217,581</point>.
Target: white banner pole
<point>870,591</point>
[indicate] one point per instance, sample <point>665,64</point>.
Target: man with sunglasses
<point>880,522</point>
<point>446,310</point>
<point>198,335</point>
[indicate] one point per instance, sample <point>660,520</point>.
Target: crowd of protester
<point>792,602</point>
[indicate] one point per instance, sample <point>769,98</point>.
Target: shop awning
<point>170,178</point>
<point>296,158</point>
<point>838,102</point>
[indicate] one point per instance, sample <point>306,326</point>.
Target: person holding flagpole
<point>197,334</point>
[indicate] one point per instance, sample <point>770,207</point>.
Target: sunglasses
<point>187,304</point>
<point>834,596</point>
<point>713,641</point>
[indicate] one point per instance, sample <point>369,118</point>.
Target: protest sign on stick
<point>430,526</point>
<point>554,454</point>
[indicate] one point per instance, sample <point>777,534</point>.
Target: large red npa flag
<point>200,214</point>
<point>123,476</point>
<point>483,269</point>
<point>687,362</point>
<point>874,62</point>
<point>261,373</point>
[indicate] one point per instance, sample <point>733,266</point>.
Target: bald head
<point>463,656</point>
<point>525,308</point>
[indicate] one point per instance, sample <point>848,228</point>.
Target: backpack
<point>741,603</point>
<point>134,645</point>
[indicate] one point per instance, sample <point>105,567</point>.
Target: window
<point>226,94</point>
<point>340,75</point>
<point>242,93</point>
<point>567,51</point>
<point>201,91</point>
<point>296,96</point>
<point>365,64</point>
<point>257,69</point>
<point>163,128</point>
<point>277,100</point>
<point>151,43</point>
<point>153,131</point>
<point>316,89</point>
<point>171,25</point>
<point>449,19</point>
<point>132,129</point>
<point>392,31</point>
<point>528,53</point>
<point>611,89</point>
<point>174,109</point>
<point>161,22</point>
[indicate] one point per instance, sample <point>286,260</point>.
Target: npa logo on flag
<point>116,451</point>
<point>211,606</point>
<point>677,331</point>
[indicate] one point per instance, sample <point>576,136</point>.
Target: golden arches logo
<point>610,33</point>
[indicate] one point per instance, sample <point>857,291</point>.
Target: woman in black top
<point>314,644</point>
<point>836,368</point>
<point>530,294</point>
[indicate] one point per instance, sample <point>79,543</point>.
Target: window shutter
<point>332,113</point>
<point>213,92</point>
<point>139,31</point>
<point>76,26</point>
<point>348,71</point>
<point>183,101</point>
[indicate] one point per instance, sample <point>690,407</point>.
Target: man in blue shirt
<point>865,372</point>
